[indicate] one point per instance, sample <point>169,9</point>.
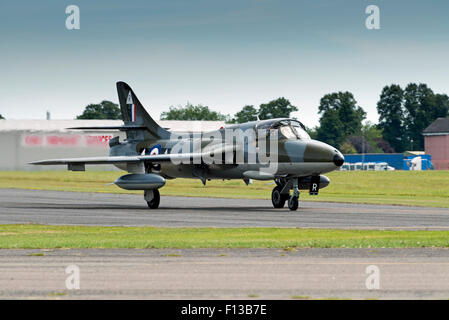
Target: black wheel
<point>154,203</point>
<point>277,198</point>
<point>293,203</point>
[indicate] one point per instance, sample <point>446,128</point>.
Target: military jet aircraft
<point>275,149</point>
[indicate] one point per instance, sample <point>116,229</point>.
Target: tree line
<point>403,115</point>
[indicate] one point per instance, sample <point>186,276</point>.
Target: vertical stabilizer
<point>134,114</point>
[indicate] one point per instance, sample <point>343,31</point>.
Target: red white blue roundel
<point>155,150</point>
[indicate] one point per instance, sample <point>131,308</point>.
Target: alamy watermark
<point>72,22</point>
<point>372,282</point>
<point>372,22</point>
<point>227,146</point>
<point>73,280</point>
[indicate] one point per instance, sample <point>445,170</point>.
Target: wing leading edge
<point>120,159</point>
<point>78,164</point>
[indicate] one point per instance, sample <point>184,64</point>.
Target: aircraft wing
<point>78,164</point>
<point>90,160</point>
<point>119,159</point>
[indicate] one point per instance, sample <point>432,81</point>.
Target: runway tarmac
<point>225,274</point>
<point>76,208</point>
<point>218,273</point>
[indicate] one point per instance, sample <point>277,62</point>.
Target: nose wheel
<point>281,194</point>
<point>293,203</point>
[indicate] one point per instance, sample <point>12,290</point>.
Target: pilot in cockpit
<point>289,129</point>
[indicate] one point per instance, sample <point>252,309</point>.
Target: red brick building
<point>436,143</point>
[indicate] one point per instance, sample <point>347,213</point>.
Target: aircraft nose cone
<point>339,159</point>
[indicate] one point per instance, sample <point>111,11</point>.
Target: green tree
<point>247,114</point>
<point>279,108</point>
<point>313,132</point>
<point>391,116</point>
<point>341,117</point>
<point>441,106</point>
<point>1,117</point>
<point>368,140</point>
<point>347,148</point>
<point>104,110</point>
<point>192,112</point>
<point>331,129</point>
<point>372,136</point>
<point>422,107</point>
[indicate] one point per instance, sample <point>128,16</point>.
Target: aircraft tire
<point>154,203</point>
<point>293,203</point>
<point>277,198</point>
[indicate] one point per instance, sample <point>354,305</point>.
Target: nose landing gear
<point>281,194</point>
<point>293,203</point>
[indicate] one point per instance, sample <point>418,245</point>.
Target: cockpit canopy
<point>287,128</point>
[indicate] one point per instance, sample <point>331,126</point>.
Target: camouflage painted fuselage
<point>295,157</point>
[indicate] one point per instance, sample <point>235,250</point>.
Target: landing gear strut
<point>153,198</point>
<point>293,201</point>
<point>281,194</point>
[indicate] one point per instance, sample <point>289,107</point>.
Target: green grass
<point>31,236</point>
<point>413,188</point>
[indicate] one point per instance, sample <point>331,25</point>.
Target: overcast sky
<point>224,54</point>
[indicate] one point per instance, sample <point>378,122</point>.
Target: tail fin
<point>134,114</point>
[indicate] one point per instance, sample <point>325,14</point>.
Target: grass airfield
<point>410,188</point>
<point>242,263</point>
<point>426,188</point>
<point>31,236</point>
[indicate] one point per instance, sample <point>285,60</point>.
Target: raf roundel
<point>155,150</point>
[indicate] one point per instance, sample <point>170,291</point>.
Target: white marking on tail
<point>129,101</point>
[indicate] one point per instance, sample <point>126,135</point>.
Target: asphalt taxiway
<point>77,208</point>
<point>225,274</point>
<point>218,273</point>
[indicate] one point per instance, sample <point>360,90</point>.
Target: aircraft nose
<point>317,151</point>
<point>339,159</point>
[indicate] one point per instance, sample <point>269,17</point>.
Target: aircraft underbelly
<point>236,172</point>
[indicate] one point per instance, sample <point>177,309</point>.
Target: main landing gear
<point>281,194</point>
<point>153,198</point>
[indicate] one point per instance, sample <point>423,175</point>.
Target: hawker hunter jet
<point>274,149</point>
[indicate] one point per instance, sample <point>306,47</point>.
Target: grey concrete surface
<point>225,274</point>
<point>72,208</point>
